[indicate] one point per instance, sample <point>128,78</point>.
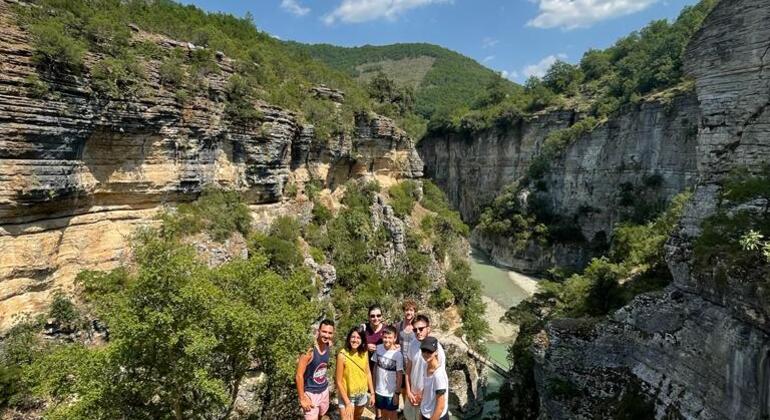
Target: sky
<point>519,38</point>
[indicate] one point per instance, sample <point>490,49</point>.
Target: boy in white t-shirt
<point>435,390</point>
<point>388,374</point>
<point>416,368</point>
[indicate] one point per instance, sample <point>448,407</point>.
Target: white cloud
<point>293,7</point>
<point>571,14</point>
<point>355,11</point>
<point>488,58</point>
<point>489,42</point>
<point>510,75</point>
<point>539,69</point>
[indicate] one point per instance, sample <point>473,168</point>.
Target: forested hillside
<point>449,81</point>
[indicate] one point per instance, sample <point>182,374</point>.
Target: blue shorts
<point>386,403</point>
<point>358,400</point>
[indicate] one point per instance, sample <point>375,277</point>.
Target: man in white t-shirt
<point>388,374</point>
<point>435,390</point>
<point>416,367</point>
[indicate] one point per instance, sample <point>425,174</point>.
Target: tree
<point>182,336</point>
<point>563,77</point>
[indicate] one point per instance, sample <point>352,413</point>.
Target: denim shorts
<point>386,403</point>
<point>358,400</point>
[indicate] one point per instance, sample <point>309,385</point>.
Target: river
<point>501,289</point>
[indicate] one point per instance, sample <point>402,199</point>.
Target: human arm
<point>371,386</point>
<point>399,379</point>
<point>340,381</point>
<point>299,378</point>
<point>440,403</point>
<point>407,378</point>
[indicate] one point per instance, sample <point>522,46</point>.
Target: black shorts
<point>446,417</point>
<point>386,403</point>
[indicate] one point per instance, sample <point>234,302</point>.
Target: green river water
<point>497,285</point>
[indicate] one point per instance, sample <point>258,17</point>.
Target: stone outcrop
<point>701,348</point>
<point>79,172</point>
<point>648,149</point>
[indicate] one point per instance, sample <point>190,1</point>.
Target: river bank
<point>501,289</point>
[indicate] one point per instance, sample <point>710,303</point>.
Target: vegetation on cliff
<point>635,264</point>
<point>182,336</point>
<point>93,38</point>
<point>640,64</point>
<point>358,250</point>
<point>180,339</point>
<point>733,242</point>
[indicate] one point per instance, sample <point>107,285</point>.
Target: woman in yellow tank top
<point>353,377</point>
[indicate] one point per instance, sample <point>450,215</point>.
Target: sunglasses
<point>419,329</point>
<point>375,316</point>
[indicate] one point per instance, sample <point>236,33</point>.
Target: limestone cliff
<point>652,141</point>
<point>80,172</point>
<point>701,348</point>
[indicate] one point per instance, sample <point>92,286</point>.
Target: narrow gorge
<point>697,349</point>
<point>183,196</point>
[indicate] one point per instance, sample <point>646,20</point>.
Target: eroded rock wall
<point>701,348</point>
<point>79,172</point>
<point>650,147</point>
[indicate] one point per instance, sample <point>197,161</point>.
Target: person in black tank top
<point>312,383</point>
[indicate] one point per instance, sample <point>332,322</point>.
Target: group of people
<point>380,366</point>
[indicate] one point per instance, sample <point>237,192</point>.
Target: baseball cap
<point>429,344</point>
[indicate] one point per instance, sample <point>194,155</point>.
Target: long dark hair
<point>361,347</point>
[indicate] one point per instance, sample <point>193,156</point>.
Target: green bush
<point>55,49</point>
<point>321,213</point>
<point>36,87</point>
<point>240,100</point>
<point>442,299</point>
<point>403,196</point>
<point>286,228</point>
<point>218,212</point>
<point>64,311</point>
<point>283,255</point>
<point>117,77</point>
<point>20,347</point>
<point>171,72</point>
<point>318,255</point>
<point>186,333</point>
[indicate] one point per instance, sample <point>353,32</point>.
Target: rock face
<point>701,348</point>
<point>649,149</point>
<point>472,170</point>
<point>79,172</point>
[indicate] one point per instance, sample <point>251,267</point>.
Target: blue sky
<point>516,37</point>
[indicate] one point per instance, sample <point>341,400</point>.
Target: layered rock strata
<point>701,348</point>
<point>79,172</point>
<point>648,147</point>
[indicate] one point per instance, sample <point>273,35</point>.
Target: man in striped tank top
<point>312,384</point>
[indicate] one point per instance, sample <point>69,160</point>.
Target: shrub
<point>283,255</point>
<point>20,347</point>
<point>36,87</point>
<point>107,33</point>
<point>218,212</point>
<point>403,197</point>
<point>117,77</point>
<point>240,95</point>
<point>64,311</point>
<point>286,228</point>
<point>441,299</point>
<point>171,72</point>
<point>55,50</point>
<point>321,213</point>
<point>187,333</point>
<point>318,255</point>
